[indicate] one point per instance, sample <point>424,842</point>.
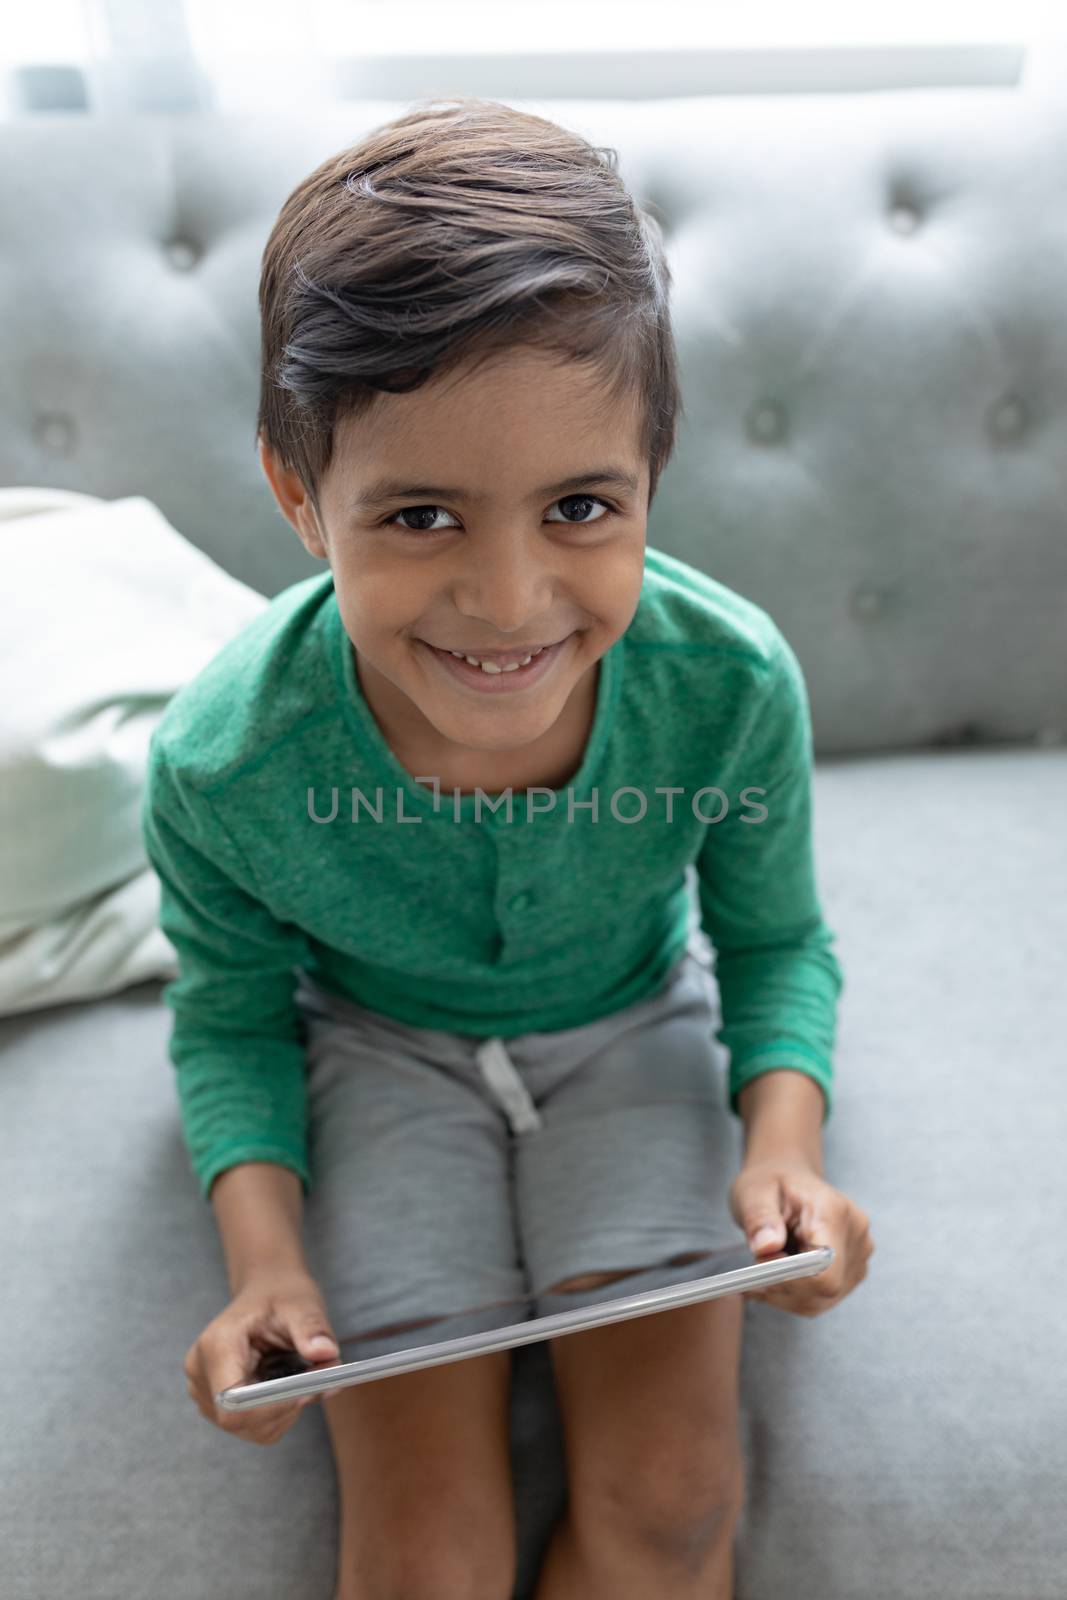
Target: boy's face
<point>480,557</point>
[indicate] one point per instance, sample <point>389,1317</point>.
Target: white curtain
<point>143,57</point>
<point>103,56</point>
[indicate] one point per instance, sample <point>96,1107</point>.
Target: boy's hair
<point>459,229</point>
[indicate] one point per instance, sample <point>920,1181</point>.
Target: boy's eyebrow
<point>383,489</point>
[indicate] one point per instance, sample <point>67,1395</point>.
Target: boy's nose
<point>507,608</point>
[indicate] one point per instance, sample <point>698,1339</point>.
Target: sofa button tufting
<point>1008,418</point>
<point>767,421</point>
<point>56,432</point>
<point>521,901</point>
<point>181,254</point>
<point>904,219</point>
<point>867,601</point>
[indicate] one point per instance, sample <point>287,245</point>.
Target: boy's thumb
<point>315,1340</point>
<point>763,1232</point>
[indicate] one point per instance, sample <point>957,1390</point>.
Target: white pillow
<point>106,612</point>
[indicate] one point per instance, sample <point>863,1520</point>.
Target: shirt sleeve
<point>237,1040</point>
<point>777,973</point>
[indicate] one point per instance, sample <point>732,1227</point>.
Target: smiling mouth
<point>485,673</point>
<point>498,658</point>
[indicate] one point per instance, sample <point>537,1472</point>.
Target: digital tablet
<point>285,1375</point>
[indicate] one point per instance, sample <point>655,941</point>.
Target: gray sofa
<point>872,324</point>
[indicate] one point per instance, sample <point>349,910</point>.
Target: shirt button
<point>520,902</point>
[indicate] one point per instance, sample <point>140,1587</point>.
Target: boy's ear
<point>293,499</point>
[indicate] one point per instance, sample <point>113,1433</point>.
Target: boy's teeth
<point>491,666</point>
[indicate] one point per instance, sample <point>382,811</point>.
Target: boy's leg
<point>424,1483</point>
<point>654,1462</point>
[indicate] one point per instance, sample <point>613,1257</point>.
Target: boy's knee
<point>680,1518</point>
<point>687,1533</point>
<point>432,1568</point>
<point>430,1583</point>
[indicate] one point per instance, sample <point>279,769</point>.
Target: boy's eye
<point>570,499</point>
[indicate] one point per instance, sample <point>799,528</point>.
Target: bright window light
<point>46,31</point>
<point>470,27</point>
<point>253,31</point>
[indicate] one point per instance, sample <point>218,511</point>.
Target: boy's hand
<point>274,1309</point>
<point>788,1194</point>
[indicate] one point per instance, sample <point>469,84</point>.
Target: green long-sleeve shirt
<point>286,834</point>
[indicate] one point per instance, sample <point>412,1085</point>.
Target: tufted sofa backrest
<point>871,313</point>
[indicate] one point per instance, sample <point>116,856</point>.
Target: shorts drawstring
<point>507,1087</point>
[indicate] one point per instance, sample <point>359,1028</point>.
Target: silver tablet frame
<point>339,1375</point>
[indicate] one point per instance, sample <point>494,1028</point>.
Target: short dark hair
<point>459,229</point>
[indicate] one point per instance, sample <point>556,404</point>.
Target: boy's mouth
<point>498,658</point>
<point>502,671</point>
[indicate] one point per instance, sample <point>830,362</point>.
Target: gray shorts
<point>452,1175</point>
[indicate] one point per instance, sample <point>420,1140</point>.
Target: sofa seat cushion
<point>907,1442</point>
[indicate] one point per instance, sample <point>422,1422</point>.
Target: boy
<point>427,821</point>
